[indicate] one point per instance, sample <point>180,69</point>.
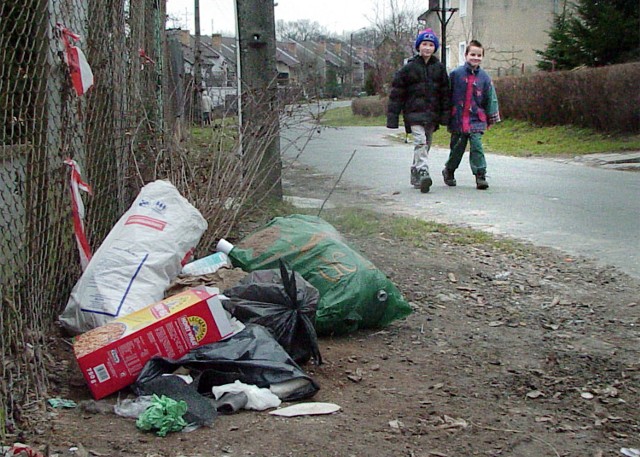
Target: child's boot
<point>448,176</point>
<point>415,177</point>
<point>425,181</point>
<point>481,180</point>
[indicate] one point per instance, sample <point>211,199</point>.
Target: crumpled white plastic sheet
<point>258,398</point>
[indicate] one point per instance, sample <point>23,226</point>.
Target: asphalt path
<point>563,204</point>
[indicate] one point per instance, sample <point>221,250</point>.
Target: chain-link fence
<point>124,131</point>
<point>113,131</point>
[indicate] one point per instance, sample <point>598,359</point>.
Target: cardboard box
<point>112,356</point>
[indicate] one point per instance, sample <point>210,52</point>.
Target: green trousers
<point>476,152</point>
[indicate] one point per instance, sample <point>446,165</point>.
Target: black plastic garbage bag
<point>282,301</point>
<point>252,356</point>
<point>198,411</point>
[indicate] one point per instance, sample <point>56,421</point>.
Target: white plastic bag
<point>142,254</point>
<point>258,398</point>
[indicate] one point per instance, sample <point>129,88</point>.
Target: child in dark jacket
<point>420,90</point>
<point>474,108</point>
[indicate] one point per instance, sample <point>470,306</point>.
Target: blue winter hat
<point>427,35</point>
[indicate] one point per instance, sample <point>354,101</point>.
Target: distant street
<point>580,210</point>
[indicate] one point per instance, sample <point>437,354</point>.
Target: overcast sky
<point>217,16</point>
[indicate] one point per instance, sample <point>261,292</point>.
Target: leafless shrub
<point>226,172</point>
<point>605,99</point>
<point>369,106</point>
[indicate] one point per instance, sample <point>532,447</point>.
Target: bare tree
<point>395,23</point>
<point>300,30</point>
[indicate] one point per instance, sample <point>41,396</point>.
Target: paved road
<point>581,210</point>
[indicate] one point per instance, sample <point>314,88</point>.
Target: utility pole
<point>351,68</point>
<point>441,10</point>
<point>259,92</point>
<point>350,93</point>
<point>197,65</point>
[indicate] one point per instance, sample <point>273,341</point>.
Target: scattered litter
<point>502,275</point>
<point>307,409</point>
<point>608,391</point>
<point>200,410</point>
<point>451,423</point>
<point>133,407</point>
<point>630,452</point>
<point>20,450</point>
<point>257,398</point>
<point>355,376</point>
<point>396,424</point>
<point>534,394</point>
<point>587,395</point>
<point>207,265</point>
<point>62,403</point>
<point>222,279</point>
<point>79,451</point>
<point>550,326</point>
<point>164,415</point>
<point>231,403</point>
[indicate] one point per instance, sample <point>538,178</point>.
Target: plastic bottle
<point>240,258</point>
<point>208,264</point>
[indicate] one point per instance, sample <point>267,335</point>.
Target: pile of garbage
<point>148,318</point>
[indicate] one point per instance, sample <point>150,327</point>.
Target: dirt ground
<point>519,355</point>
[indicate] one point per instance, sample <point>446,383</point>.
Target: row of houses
<point>317,68</point>
<point>511,31</point>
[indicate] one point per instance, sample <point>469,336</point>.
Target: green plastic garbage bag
<point>164,415</point>
<point>354,294</point>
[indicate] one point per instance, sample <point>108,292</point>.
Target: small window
<point>462,47</point>
<point>463,8</point>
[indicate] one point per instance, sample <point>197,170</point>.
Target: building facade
<point>510,30</point>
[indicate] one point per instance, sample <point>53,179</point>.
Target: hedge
<point>605,99</point>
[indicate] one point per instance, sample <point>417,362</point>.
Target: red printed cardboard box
<point>112,356</point>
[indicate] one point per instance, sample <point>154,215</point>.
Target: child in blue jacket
<point>474,108</point>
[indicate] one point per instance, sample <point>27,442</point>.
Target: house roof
<point>334,59</point>
<point>283,56</point>
<point>337,56</point>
